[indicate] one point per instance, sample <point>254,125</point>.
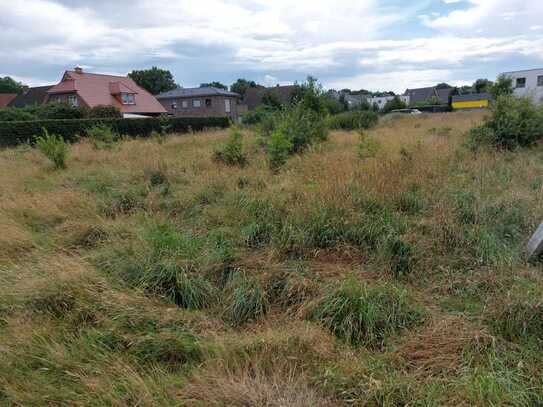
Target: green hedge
<point>14,133</point>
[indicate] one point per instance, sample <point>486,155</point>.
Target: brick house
<point>202,102</point>
<point>79,88</point>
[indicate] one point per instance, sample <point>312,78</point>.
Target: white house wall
<point>532,88</point>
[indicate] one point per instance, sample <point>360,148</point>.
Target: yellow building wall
<point>474,104</point>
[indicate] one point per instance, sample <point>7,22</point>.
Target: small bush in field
<point>53,147</point>
<point>367,147</point>
<point>513,122</point>
<point>246,301</point>
<point>102,136</point>
<point>361,314</point>
<point>278,149</point>
<point>233,152</point>
<point>400,255</point>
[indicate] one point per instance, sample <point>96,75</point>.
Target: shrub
<point>399,253</point>
<point>15,114</point>
<point>103,112</point>
<point>513,122</point>
<point>101,136</point>
<point>366,315</point>
<point>278,149</point>
<point>367,147</point>
<point>353,120</point>
<point>54,148</point>
<point>246,301</point>
<point>257,116</point>
<point>52,111</point>
<point>232,153</point>
<point>393,104</point>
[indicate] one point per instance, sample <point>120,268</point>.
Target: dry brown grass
<point>443,346</point>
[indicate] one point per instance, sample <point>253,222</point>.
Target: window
<point>540,80</point>
<point>72,100</point>
<point>185,104</point>
<point>208,102</point>
<point>521,83</point>
<point>196,103</point>
<point>174,105</point>
<point>227,105</point>
<point>128,98</point>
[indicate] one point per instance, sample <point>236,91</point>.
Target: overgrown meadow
<point>382,268</point>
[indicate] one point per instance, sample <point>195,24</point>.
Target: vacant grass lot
<point>150,274</point>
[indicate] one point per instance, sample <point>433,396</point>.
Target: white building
<point>528,83</point>
<point>382,100</point>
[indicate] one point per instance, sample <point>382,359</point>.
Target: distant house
<point>31,97</point>
<point>6,98</point>
<point>79,88</point>
<point>471,101</point>
<point>254,96</point>
<point>201,102</point>
<point>381,101</point>
<point>423,95</point>
<point>528,83</point>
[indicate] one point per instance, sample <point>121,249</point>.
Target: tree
<point>310,94</point>
<point>394,104</point>
<point>241,85</point>
<point>8,85</point>
<point>502,87</point>
<point>214,84</point>
<point>154,80</point>
<point>482,85</point>
<point>271,99</point>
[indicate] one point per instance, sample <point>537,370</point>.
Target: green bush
<point>256,116</point>
<point>103,112</point>
<point>232,153</point>
<point>53,111</point>
<point>513,122</point>
<point>14,133</point>
<point>54,148</point>
<point>278,149</point>
<point>14,115</point>
<point>246,301</point>
<point>101,136</point>
<point>353,120</point>
<point>367,147</point>
<point>366,315</point>
<point>394,104</point>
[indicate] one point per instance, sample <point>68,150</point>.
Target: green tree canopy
<point>502,87</point>
<point>9,85</point>
<point>482,85</point>
<point>241,85</point>
<point>154,80</point>
<point>394,104</point>
<point>214,84</point>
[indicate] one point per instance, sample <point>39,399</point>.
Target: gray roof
<point>423,94</point>
<point>31,97</point>
<point>195,92</point>
<point>471,97</point>
<point>420,94</point>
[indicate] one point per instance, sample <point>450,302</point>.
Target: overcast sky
<point>371,44</point>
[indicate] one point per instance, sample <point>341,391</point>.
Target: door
<point>227,106</point>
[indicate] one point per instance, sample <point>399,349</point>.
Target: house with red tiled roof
<point>79,88</point>
<point>6,98</point>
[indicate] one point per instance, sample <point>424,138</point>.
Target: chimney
<point>78,69</point>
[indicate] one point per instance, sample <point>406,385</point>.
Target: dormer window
<point>128,98</point>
